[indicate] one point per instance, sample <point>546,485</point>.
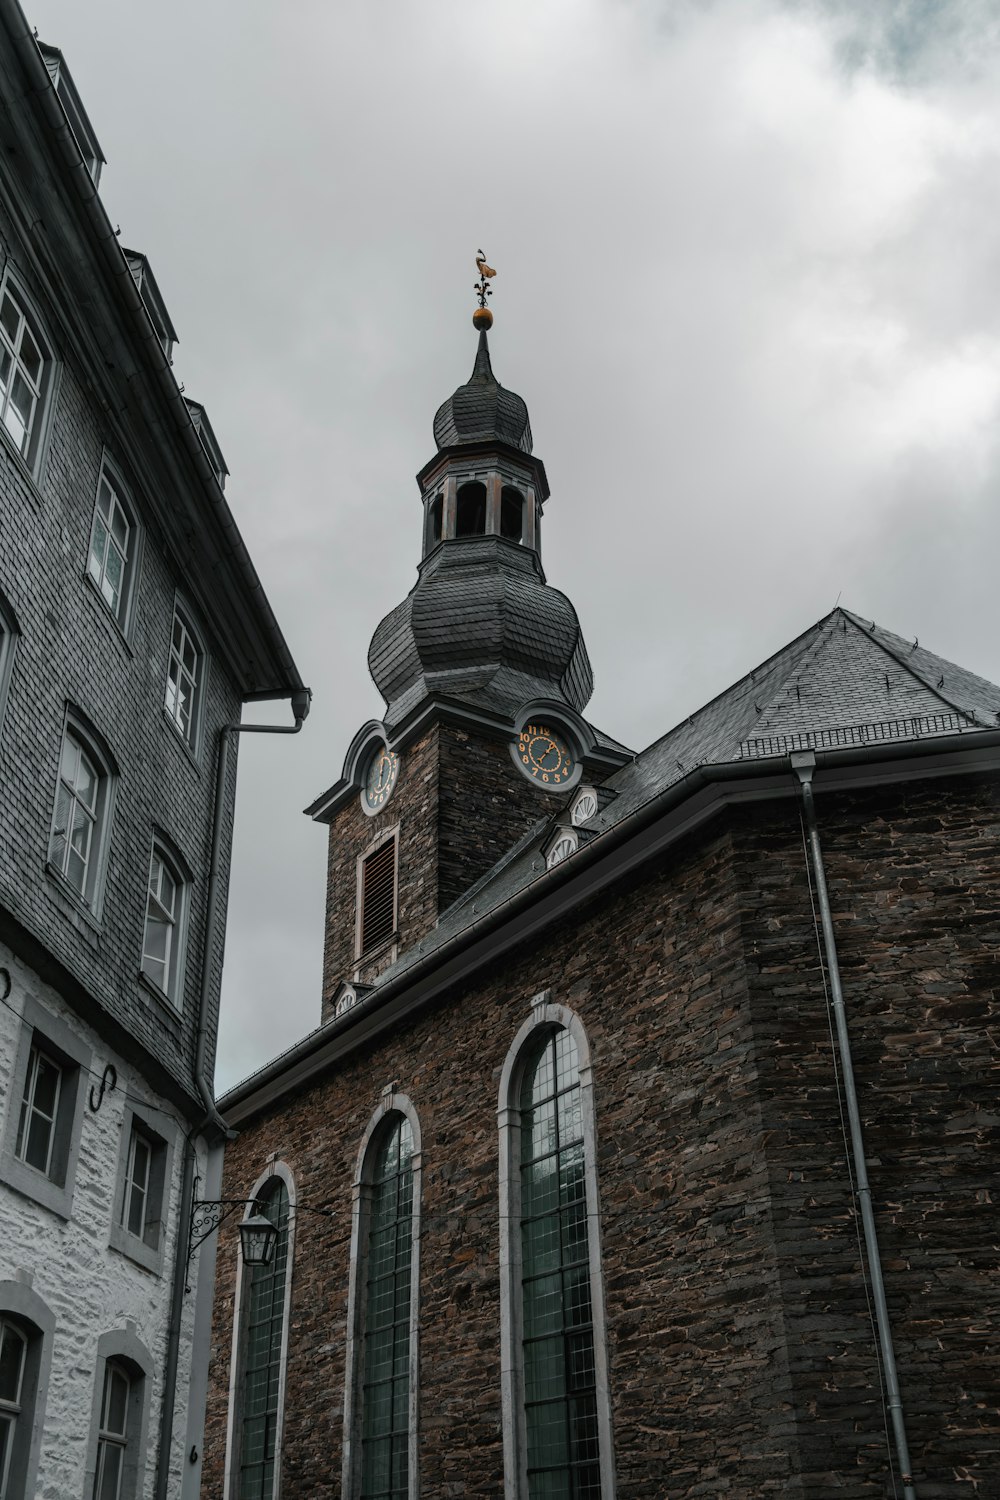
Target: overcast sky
<point>748,282</point>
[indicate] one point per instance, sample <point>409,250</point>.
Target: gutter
<point>694,799</point>
<point>31,59</point>
<point>803,764</point>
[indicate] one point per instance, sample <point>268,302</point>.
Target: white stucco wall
<point>90,1287</point>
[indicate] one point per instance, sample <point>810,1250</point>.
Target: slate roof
<point>482,410</point>
<point>844,682</point>
<point>481,625</point>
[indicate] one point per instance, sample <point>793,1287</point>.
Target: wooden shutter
<point>378,896</point>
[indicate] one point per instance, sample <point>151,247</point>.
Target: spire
<point>482,410</point>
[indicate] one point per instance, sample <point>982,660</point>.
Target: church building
<point>647,1142</point>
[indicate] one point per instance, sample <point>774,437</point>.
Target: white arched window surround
<point>22,1306</point>
<point>392,1104</point>
<point>544,1019</point>
<point>274,1169</point>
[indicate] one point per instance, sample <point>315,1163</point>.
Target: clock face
<point>544,756</point>
<point>380,779</point>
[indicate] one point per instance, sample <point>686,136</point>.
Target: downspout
<point>212,1120</point>
<point>803,764</point>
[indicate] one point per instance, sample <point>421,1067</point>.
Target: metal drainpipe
<point>212,1119</point>
<point>803,764</point>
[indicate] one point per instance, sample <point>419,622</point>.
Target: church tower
<point>485,677</point>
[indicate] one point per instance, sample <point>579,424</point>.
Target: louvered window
<point>378,896</point>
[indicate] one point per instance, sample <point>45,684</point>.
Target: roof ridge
<point>823,629</point>
<point>932,687</point>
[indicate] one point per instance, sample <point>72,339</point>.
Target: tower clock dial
<point>380,779</point>
<point>544,756</point>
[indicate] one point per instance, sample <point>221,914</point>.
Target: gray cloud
<point>747,284</point>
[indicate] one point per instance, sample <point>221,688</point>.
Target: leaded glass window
<point>560,1387</point>
<point>385,1422</point>
<point>13,1351</point>
<point>263,1341</point>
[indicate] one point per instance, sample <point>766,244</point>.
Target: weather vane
<point>482,317</point>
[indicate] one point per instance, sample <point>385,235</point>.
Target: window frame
<point>91,896</point>
<point>23,1307</point>
<point>54,1190</point>
<point>545,1018</point>
<point>147,1249</point>
<point>192,737</point>
<point>363,955</point>
<point>120,1348</point>
<point>173,993</point>
<point>392,1104</point>
<point>234,1422</point>
<point>38,428</point>
<point>123,612</point>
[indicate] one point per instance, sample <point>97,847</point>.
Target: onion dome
<point>481,625</point>
<point>483,411</point>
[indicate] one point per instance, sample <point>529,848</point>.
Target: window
<point>112,1436</point>
<point>113,546</point>
<point>559,1441</point>
<point>378,896</point>
<point>564,846</point>
<point>144,1168</point>
<point>148,290</point>
<point>26,1329</point>
<point>263,1341</point>
<point>39,1113</point>
<point>116,1457</point>
<point>13,1357</point>
<point>470,515</point>
<point>163,932</point>
<point>185,673</point>
<point>511,514</point>
<point>42,1131</point>
<point>79,827</point>
<point>25,371</point>
<point>8,639</point>
<point>62,82</point>
<point>380,1452</point>
<point>435,521</point>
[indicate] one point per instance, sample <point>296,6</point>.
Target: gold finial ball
<point>482,318</point>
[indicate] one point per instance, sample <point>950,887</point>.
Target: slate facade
<point>99,1049</point>
<point>679,940</point>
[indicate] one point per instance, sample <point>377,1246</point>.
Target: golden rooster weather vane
<point>482,318</point>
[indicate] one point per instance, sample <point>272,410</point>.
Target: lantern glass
<point>258,1237</point>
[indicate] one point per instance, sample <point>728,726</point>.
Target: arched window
<point>25,372</point>
<point>8,639</point>
<point>511,514</point>
<point>26,1329</point>
<point>164,931</point>
<point>470,514</point>
<point>558,1439</point>
<point>435,522</point>
<point>381,1409</point>
<point>82,815</point>
<point>262,1354</point>
<point>185,677</point>
<point>114,544</point>
<point>116,1460</point>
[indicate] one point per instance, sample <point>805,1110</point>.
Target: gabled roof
<point>845,682</point>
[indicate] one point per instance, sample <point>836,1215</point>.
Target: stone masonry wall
<point>90,1288</point>
<point>697,1368</point>
<point>914,879</point>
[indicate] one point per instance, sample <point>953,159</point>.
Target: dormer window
<point>154,304</point>
<point>566,843</point>
<point>584,807</point>
<point>203,427</point>
<point>470,514</point>
<point>83,131</point>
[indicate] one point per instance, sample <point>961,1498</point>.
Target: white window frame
<point>392,1104</point>
<point>176,920</point>
<point>124,1350</point>
<point>547,1017</point>
<point>29,448</point>
<point>42,1031</point>
<point>148,1246</point>
<point>12,1411</point>
<point>234,1427</point>
<point>112,1439</point>
<point>28,1109</point>
<point>120,505</point>
<point>97,816</point>
<point>178,674</point>
<point>25,1310</point>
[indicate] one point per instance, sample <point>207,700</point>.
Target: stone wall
<point>742,1356</point>
<point>90,1287</point>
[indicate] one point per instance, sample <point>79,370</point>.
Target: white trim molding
<point>545,1018</point>
<point>392,1104</point>
<point>234,1427</point>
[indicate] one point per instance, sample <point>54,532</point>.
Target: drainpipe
<point>212,1120</point>
<point>803,764</point>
